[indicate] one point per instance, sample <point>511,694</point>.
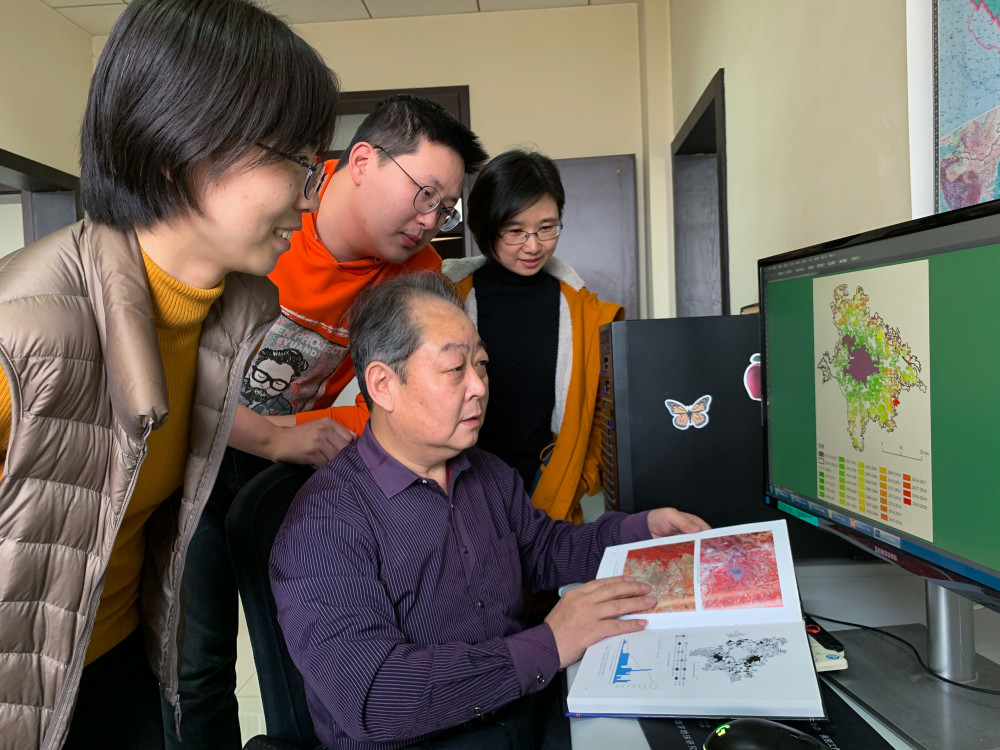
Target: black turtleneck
<point>519,323</point>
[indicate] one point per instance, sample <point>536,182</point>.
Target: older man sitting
<point>399,569</point>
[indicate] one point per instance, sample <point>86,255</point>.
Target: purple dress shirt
<point>401,604</point>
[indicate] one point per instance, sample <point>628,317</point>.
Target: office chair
<point>253,521</point>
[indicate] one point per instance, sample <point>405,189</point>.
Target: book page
<point>735,670</point>
<point>737,574</point>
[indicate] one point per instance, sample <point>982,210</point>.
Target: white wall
<point>46,63</point>
<point>657,133</point>
<point>816,118</point>
<point>566,79</point>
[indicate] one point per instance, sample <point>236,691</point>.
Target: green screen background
<point>965,406</point>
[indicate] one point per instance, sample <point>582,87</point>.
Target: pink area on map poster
<point>669,570</point>
<point>739,571</point>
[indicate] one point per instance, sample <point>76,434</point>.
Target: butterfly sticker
<point>695,415</point>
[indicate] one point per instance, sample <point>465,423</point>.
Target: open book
<point>725,638</point>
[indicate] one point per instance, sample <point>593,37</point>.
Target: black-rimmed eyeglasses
<point>314,179</point>
<point>429,199</point>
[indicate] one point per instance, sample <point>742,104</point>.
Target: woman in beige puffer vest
<point>185,203</point>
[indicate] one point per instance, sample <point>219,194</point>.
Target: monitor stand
<point>885,678</point>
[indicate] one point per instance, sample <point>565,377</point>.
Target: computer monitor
<point>881,369</point>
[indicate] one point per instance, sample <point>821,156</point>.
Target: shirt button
<point>465,550</point>
<point>540,679</point>
<point>480,604</point>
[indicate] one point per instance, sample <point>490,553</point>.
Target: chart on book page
<point>674,661</point>
<point>873,394</point>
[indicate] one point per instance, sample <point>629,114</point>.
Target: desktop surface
<point>843,728</point>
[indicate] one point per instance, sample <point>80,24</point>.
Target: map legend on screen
<point>895,497</point>
<point>873,395</point>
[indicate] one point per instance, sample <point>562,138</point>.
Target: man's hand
<point>589,613</point>
<point>669,521</point>
<point>315,443</point>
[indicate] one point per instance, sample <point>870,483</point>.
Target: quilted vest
<point>78,346</point>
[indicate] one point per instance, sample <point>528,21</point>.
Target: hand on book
<point>590,612</point>
<point>669,521</point>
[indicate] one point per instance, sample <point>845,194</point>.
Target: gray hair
<point>382,326</point>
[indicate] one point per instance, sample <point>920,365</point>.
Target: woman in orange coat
<point>541,328</point>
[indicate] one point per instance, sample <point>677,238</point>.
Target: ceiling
<point>97,16</point>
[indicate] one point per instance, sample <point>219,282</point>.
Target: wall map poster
<point>967,102</point>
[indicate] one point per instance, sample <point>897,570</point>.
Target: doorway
<point>701,243</point>
<point>600,240</point>
<point>35,200</point>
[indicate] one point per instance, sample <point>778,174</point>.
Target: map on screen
<point>873,408</point>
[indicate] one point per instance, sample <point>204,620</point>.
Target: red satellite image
<point>739,572</point>
<point>669,569</point>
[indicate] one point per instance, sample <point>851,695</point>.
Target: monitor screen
<point>881,380</point>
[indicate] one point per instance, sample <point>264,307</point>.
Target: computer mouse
<point>759,734</point>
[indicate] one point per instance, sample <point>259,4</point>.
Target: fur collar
<point>457,269</point>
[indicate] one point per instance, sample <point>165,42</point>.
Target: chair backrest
<point>253,521</point>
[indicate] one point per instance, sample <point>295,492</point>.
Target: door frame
<point>45,194</point>
<point>704,132</point>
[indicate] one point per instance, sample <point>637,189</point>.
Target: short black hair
<point>184,83</point>
<point>401,122</point>
<point>381,325</point>
<point>511,182</point>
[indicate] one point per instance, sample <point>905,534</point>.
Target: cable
<point>909,646</point>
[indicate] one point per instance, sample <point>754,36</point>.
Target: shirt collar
<point>389,474</point>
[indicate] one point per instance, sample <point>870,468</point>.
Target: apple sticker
<point>751,378</point>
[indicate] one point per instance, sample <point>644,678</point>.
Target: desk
<point>873,593</point>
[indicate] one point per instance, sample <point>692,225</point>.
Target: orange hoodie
<point>316,291</point>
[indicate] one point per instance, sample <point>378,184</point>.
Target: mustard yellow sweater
<point>178,312</point>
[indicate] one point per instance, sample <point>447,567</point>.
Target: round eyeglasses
<point>429,199</point>
<point>519,236</point>
<point>315,177</point>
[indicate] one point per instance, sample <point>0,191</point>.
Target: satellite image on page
<point>739,571</point>
<point>669,570</point>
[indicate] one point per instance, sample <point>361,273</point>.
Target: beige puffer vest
<point>79,349</point>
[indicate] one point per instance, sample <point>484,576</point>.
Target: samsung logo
<point>886,553</point>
